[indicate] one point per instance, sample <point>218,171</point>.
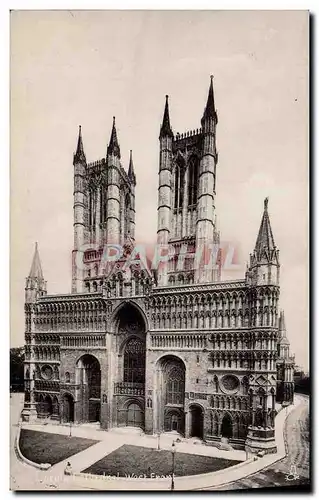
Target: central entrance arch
<point>89,381</point>
<point>170,385</point>
<point>129,342</point>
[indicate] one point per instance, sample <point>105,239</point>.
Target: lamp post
<point>173,465</point>
<point>158,441</point>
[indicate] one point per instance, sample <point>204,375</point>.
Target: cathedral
<point>169,347</point>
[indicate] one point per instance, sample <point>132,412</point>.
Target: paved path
<point>25,477</point>
<point>297,444</point>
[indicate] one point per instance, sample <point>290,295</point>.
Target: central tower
<point>186,200</point>
<point>104,211</point>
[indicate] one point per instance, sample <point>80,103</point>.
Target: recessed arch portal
<point>196,421</point>
<point>88,379</point>
<point>227,426</point>
<point>129,342</point>
<point>67,408</point>
<point>170,394</point>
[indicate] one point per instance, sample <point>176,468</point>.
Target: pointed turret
<point>282,330</point>
<point>210,110</point>
<point>264,261</point>
<point>35,284</point>
<point>265,248</point>
<point>79,156</point>
<point>166,130</point>
<point>113,147</point>
<point>36,269</point>
<point>131,173</point>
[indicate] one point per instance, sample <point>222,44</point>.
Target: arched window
<point>91,207</point>
<point>192,180</point>
<point>134,361</point>
<point>127,215</point>
<point>103,205</point>
<point>67,377</point>
<point>179,184</point>
<point>175,386</point>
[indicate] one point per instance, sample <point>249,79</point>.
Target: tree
<point>17,369</point>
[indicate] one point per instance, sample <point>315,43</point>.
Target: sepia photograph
<point>159,250</point>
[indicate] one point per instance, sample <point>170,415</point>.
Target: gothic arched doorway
<point>89,392</point>
<point>48,407</point>
<point>130,344</point>
<point>196,421</point>
<point>135,416</point>
<point>170,392</point>
<point>174,420</point>
<point>227,426</point>
<point>68,408</point>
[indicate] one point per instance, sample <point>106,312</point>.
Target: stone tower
<point>104,211</point>
<point>165,190</point>
<point>79,207</point>
<point>35,288</point>
<point>263,279</point>
<point>285,365</point>
<point>206,190</point>
<point>186,200</point>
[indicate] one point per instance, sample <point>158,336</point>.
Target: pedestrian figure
<point>68,469</point>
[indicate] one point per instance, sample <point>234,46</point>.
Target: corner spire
<point>36,269</point>
<point>113,147</point>
<point>282,329</point>
<point>265,247</point>
<point>130,173</point>
<point>210,111</point>
<point>166,130</point>
<point>79,156</point>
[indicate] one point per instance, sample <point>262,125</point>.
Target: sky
<point>84,67</point>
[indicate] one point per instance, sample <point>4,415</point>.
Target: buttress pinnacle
<point>210,111</point>
<point>166,130</point>
<point>130,173</point>
<point>113,147</point>
<point>36,268</point>
<point>79,156</point>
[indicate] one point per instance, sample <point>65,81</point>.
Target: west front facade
<point>165,348</point>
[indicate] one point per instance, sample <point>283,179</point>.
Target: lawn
<point>139,461</point>
<point>42,447</point>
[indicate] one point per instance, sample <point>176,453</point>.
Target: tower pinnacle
<point>130,173</point>
<point>265,245</point>
<point>113,147</point>
<point>79,156</point>
<point>36,269</point>
<point>166,130</point>
<point>282,329</point>
<point>210,111</point>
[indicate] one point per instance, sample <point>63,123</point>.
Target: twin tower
<point>104,202</point>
